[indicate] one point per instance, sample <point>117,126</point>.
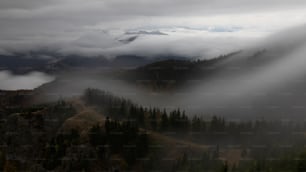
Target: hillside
<point>99,131</point>
<point>60,136</point>
<point>173,73</point>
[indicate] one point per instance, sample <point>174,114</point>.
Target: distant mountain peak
<point>143,32</point>
<point>128,40</point>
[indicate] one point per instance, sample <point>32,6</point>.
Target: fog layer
<point>9,81</point>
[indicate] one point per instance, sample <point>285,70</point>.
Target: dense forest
<point>264,145</point>
<point>37,137</point>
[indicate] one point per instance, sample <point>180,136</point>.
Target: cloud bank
<point>92,27</point>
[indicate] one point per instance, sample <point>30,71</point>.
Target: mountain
<point>21,63</point>
<point>143,32</point>
<point>131,36</point>
<point>128,39</point>
<point>264,81</point>
<point>175,72</point>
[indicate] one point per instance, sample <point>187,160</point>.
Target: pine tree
<point>164,121</point>
<point>153,120</point>
<point>196,124</point>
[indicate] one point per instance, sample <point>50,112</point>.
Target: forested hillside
<point>102,132</point>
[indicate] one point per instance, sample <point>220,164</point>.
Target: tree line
<point>177,120</point>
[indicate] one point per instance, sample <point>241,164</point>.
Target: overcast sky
<point>93,27</point>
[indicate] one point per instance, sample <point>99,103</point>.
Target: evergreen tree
<point>164,121</point>
<point>96,135</point>
<point>196,124</point>
<point>153,119</point>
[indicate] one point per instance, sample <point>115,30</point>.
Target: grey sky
<point>62,24</point>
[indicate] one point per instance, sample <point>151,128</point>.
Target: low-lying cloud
<point>9,81</point>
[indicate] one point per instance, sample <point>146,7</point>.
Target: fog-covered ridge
<point>264,80</point>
